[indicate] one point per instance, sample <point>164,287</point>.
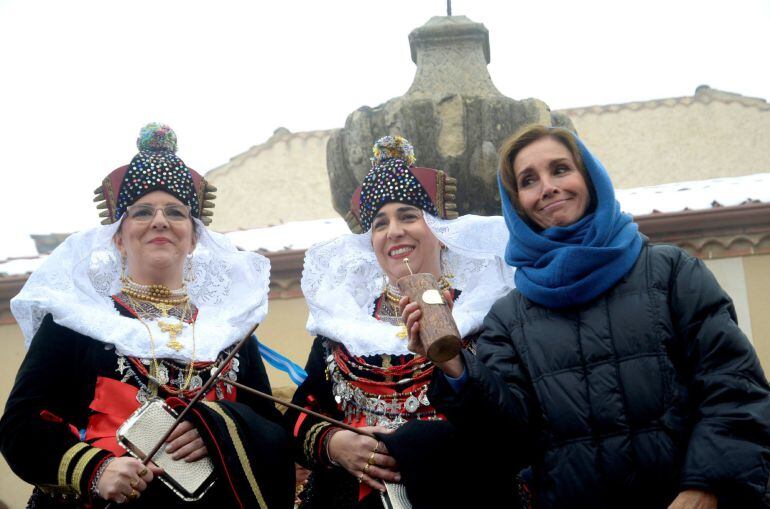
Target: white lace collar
<point>77,280</point>
<point>341,280</point>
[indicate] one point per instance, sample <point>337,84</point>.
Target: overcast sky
<point>79,78</point>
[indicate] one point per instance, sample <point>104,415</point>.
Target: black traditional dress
<point>73,392</point>
<point>92,358</point>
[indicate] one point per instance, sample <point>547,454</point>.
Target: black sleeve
<point>729,448</point>
<point>253,374</point>
<point>315,393</point>
<point>497,399</point>
<point>38,431</point>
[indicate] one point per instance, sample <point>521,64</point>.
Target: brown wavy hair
<point>525,136</point>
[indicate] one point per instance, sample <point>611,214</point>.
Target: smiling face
<point>399,231</point>
<point>155,247</point>
<point>551,190</point>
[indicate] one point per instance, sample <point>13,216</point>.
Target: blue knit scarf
<point>567,266</point>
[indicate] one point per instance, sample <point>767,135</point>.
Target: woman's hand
<point>411,314</point>
<point>125,479</point>
<point>186,443</point>
<point>364,457</point>
<point>694,499</point>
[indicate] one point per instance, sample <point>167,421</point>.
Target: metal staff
<point>299,408</point>
<point>203,390</point>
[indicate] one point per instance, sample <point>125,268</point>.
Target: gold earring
<point>445,269</point>
<point>123,277</point>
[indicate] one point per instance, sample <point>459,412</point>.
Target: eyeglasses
<point>144,213</point>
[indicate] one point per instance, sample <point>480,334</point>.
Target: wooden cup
<point>438,331</point>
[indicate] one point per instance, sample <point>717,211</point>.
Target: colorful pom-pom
<point>156,137</point>
<point>393,147</point>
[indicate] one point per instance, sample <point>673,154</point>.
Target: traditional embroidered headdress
<point>394,178</point>
<point>155,167</point>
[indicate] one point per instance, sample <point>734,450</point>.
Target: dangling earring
<point>446,270</point>
<point>123,277</point>
<point>189,275</point>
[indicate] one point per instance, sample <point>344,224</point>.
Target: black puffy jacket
<point>626,401</point>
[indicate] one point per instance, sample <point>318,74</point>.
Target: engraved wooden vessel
<point>438,331</point>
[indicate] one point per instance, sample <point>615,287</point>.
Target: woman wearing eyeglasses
<point>143,309</point>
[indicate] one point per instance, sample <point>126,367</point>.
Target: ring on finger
<point>371,461</point>
<point>366,468</point>
<point>360,478</point>
<point>133,483</point>
<point>133,495</point>
<point>377,447</point>
<point>143,472</point>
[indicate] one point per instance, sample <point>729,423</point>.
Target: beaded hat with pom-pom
<point>394,178</point>
<point>155,168</point>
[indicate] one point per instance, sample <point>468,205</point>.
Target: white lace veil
<point>341,280</point>
<point>76,281</point>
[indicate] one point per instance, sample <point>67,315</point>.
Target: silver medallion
<point>162,374</point>
<point>412,404</point>
<point>142,396</point>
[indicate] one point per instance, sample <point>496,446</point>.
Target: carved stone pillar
<point>452,113</point>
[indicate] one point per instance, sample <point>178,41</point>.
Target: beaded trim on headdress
<point>155,167</point>
<point>393,178</point>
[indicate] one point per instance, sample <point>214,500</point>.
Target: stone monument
<point>452,113</point>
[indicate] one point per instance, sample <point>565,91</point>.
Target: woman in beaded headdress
<point>144,308</point>
<point>360,369</point>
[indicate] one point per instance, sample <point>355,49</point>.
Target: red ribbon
<point>114,402</point>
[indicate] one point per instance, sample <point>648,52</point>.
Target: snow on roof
<point>695,195</point>
<point>677,197</point>
<point>294,235</point>
<point>16,244</point>
<point>19,266</point>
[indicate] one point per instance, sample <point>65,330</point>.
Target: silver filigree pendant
<point>142,396</point>
<point>412,404</point>
<point>163,374</point>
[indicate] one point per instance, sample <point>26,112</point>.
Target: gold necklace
<point>394,295</point>
<point>156,294</point>
<point>155,366</point>
<point>389,313</point>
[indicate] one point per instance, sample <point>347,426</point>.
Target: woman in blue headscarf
<point>616,368</point>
